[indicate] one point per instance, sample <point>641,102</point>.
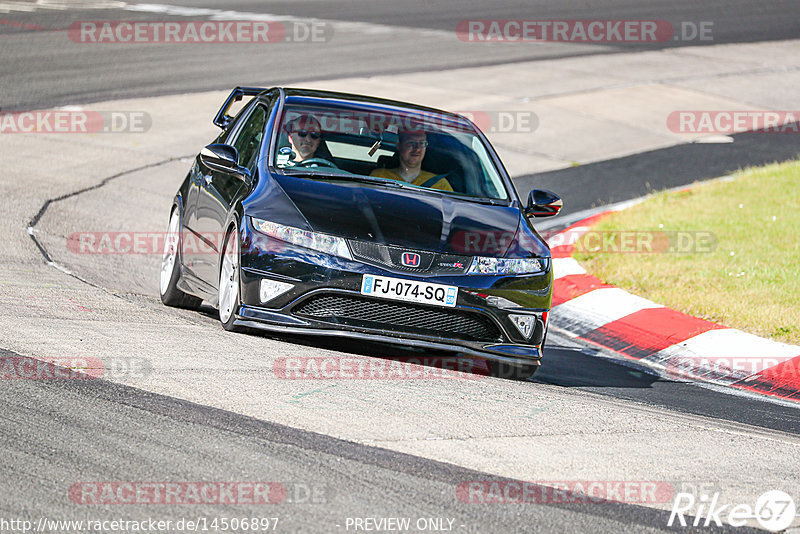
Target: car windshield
<point>415,149</point>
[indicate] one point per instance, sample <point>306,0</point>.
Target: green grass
<point>751,278</point>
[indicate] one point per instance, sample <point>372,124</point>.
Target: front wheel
<point>170,268</point>
<point>229,282</point>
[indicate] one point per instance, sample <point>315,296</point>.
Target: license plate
<point>409,290</point>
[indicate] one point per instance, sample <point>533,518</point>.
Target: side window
<point>249,138</point>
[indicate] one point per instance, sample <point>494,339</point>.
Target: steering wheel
<point>316,162</point>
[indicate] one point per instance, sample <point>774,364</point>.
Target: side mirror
<point>543,203</point>
<point>225,158</point>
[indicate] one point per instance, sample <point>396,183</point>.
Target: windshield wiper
<point>487,200</point>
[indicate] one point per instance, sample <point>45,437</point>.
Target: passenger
<point>411,149</point>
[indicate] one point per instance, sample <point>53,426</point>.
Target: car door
<point>191,239</point>
<point>219,189</point>
<point>198,247</point>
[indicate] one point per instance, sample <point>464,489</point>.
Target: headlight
<point>482,265</point>
<point>328,244</point>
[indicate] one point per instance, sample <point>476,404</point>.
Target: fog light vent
<point>270,289</point>
<point>524,323</point>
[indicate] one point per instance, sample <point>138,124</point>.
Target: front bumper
<point>325,299</point>
<point>526,356</point>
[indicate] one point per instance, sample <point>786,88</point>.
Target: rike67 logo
<point>774,510</point>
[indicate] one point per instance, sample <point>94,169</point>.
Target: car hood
<point>404,217</point>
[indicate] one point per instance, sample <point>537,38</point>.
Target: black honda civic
<point>322,213</point>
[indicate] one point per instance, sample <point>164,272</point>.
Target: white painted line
<point>567,237</point>
<point>60,5</point>
<point>366,28</point>
<point>565,267</point>
<point>578,230</point>
<point>724,356</point>
<point>597,308</point>
<point>7,7</point>
<point>729,342</point>
<point>60,268</point>
<point>627,204</point>
<point>713,139</point>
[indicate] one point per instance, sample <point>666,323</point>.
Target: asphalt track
<point>58,432</point>
<point>371,38</point>
<point>327,480</point>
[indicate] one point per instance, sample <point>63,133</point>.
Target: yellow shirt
<point>394,174</point>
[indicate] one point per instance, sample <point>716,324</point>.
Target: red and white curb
<point>672,343</point>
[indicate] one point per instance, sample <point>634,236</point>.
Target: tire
<point>510,371</point>
<point>229,297</point>
<point>170,268</point>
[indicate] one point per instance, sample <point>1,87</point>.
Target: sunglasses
<point>416,145</point>
<point>303,133</point>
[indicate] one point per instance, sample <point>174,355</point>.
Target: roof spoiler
<point>222,119</point>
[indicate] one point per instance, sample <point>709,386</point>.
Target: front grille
<point>399,317</point>
<point>371,252</point>
<point>390,256</point>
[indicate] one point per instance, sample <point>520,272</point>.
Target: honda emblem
<point>410,259</point>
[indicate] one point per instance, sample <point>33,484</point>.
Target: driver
<point>305,136</point>
<point>411,148</point>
